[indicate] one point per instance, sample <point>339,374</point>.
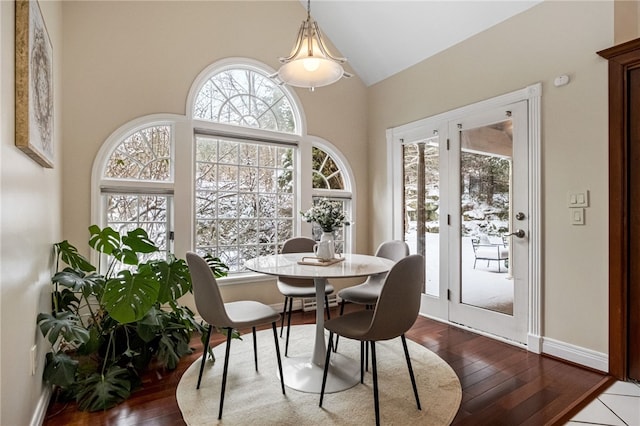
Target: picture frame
<point>34,102</point>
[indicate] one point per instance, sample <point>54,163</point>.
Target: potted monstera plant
<point>106,328</point>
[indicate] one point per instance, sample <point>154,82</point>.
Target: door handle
<point>520,233</point>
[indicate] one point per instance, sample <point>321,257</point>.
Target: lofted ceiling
<point>383,37</point>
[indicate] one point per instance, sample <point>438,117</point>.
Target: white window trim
<point>105,151</point>
<point>183,167</point>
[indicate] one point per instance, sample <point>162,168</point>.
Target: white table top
<point>354,265</point>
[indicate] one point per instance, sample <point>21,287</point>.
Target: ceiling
<point>383,37</point>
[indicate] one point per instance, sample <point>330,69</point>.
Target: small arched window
<point>328,183</point>
<point>143,155</point>
<point>136,183</point>
<point>246,98</point>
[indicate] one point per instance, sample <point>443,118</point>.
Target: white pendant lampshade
<point>310,64</point>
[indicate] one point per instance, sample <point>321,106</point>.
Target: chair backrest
<point>399,301</point>
<point>298,245</point>
<point>393,250</point>
<point>206,292</point>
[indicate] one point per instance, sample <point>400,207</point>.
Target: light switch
<point>579,198</point>
<point>577,216</point>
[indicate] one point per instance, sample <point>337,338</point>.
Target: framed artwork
<point>34,84</point>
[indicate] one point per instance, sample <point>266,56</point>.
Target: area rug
<point>255,397</point>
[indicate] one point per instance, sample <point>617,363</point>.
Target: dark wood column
<point>624,193</point>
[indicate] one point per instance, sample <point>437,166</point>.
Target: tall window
<point>232,166</point>
<point>137,184</point>
<point>328,183</point>
<point>244,196</point>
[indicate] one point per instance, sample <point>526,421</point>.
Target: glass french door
<point>489,218</point>
<point>466,210</point>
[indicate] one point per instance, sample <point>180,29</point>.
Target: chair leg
<point>376,402</point>
<point>335,348</point>
<point>255,347</point>
<point>326,304</point>
<point>366,356</point>
<point>326,368</point>
<point>286,344</point>
<point>224,371</point>
<point>204,355</point>
<point>362,343</point>
<point>275,339</point>
<point>413,379</point>
<point>284,314</point>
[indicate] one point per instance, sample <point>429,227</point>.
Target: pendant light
<point>310,63</point>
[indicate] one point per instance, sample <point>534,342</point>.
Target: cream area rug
<point>255,397</point>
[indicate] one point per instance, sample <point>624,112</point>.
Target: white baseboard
<point>538,344</point>
<point>40,412</point>
<point>576,354</point>
<point>534,343</point>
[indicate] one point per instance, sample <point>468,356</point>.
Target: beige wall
<point>548,40</point>
<point>124,60</point>
<point>627,19</point>
<point>30,223</point>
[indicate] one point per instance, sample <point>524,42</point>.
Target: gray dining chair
<point>367,293</point>
<point>298,287</point>
<point>228,316</point>
<point>394,314</point>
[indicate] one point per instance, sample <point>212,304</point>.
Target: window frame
<point>182,188</point>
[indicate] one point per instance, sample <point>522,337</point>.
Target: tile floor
<point>619,405</point>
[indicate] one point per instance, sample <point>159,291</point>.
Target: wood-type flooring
<point>501,384</point>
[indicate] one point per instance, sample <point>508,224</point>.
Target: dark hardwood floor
<point>501,384</point>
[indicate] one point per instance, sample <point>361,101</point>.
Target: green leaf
<point>78,282</point>
<point>60,369</point>
<point>128,297</point>
<point>126,256</point>
<point>174,278</point>
<point>149,326</point>
<point>63,323</point>
<point>217,266</point>
<point>69,255</point>
<point>93,344</point>
<point>66,300</point>
<point>105,241</point>
<point>102,391</point>
<point>139,241</point>
<point>171,347</point>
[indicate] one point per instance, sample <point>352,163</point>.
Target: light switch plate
<point>577,216</point>
<point>579,198</point>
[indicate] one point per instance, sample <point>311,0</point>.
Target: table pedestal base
<point>303,375</point>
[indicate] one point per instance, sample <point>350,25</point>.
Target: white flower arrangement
<point>327,214</point>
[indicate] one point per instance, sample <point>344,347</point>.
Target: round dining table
<point>305,373</point>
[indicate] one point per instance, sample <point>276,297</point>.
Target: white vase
<point>328,236</point>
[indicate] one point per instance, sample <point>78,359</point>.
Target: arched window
<point>136,182</point>
<point>328,183</point>
<point>232,166</point>
<point>244,97</point>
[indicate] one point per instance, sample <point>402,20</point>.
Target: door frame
<point>622,58</point>
<point>419,130</point>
